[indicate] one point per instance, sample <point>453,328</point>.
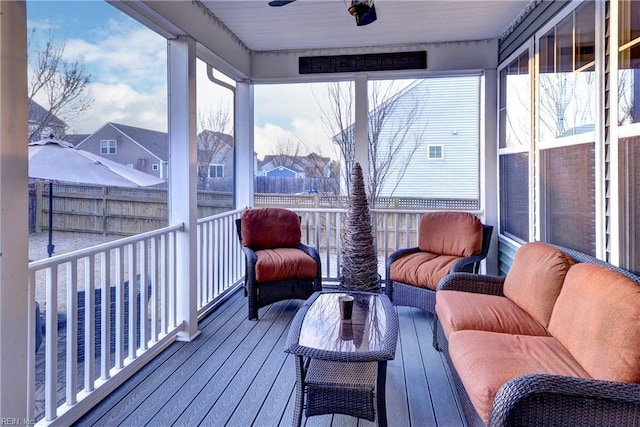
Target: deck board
<point>235,373</point>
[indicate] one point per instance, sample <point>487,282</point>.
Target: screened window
<point>566,122</point>
<point>629,63</point>
<point>435,152</point>
<point>629,132</point>
<point>514,195</point>
<point>566,83</point>
<point>108,146</point>
<point>515,146</point>
<point>567,185</point>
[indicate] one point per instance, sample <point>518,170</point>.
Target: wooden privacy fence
<point>111,210</point>
<point>129,211</point>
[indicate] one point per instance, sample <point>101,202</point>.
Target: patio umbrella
<point>56,160</point>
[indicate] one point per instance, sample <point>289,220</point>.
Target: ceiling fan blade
<point>278,3</point>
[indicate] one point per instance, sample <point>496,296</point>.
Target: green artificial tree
<point>359,259</point>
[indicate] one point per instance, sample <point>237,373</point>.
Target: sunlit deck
<point>236,373</point>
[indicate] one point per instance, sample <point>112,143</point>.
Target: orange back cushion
<point>597,318</point>
<point>535,279</point>
<point>268,228</point>
<point>450,233</point>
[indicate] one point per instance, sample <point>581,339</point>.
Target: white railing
<point>220,260</point>
<point>91,347</point>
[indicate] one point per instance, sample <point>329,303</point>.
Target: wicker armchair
<point>278,265</point>
<point>545,399</point>
<point>448,242</point>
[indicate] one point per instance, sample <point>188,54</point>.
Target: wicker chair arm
<point>309,250</point>
<point>477,283</point>
<point>543,399</point>
<point>251,255</point>
<point>466,264</point>
<point>313,253</point>
<point>390,260</point>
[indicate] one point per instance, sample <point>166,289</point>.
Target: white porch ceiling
<point>322,24</point>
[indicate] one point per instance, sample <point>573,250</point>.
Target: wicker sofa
<point>555,342</point>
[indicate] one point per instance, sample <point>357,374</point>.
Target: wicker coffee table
<point>341,366</point>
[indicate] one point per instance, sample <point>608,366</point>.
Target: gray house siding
<point>450,117</point>
<point>128,152</point>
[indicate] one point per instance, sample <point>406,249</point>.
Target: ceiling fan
<point>363,10</point>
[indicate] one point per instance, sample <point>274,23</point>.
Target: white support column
<point>182,176</point>
<point>15,315</point>
<point>362,125</point>
<point>489,163</point>
<point>243,154</point>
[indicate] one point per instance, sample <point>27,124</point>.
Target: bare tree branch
<point>61,83</point>
<point>212,130</point>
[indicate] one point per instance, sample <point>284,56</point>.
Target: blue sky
<point>127,63</point>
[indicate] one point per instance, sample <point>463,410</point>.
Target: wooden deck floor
<point>237,374</point>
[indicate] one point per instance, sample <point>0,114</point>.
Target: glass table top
<point>323,329</point>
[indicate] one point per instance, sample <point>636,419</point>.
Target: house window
<point>216,171</point>
<point>435,152</point>
<point>155,167</point>
<point>629,130</point>
<point>108,146</point>
<point>566,146</point>
<point>515,146</point>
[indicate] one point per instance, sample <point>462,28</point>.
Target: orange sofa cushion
<point>267,228</point>
<point>423,269</point>
<point>597,318</point>
<point>535,279</point>
<point>486,360</point>
<point>459,311</point>
<point>450,233</point>
<point>284,264</point>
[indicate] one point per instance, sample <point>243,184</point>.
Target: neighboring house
<point>142,149</point>
<point>446,139</point>
<point>215,157</point>
<point>309,166</point>
<point>47,123</point>
<point>76,138</point>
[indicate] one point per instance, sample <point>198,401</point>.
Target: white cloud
<point>124,52</point>
<point>121,103</point>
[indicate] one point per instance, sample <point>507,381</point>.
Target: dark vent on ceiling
<point>358,63</point>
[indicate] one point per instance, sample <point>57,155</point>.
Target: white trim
<point>566,141</point>
<point>183,154</point>
<point>630,130</point>
<point>600,155</point>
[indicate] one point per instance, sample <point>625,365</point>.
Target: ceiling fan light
<point>367,18</point>
<point>363,11</point>
<point>358,9</point>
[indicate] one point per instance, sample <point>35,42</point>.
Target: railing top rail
<point>220,215</point>
<point>82,253</point>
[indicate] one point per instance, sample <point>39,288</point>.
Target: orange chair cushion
<point>284,264</point>
<point>597,318</point>
<point>268,228</point>
<point>535,279</point>
<point>423,269</point>
<point>450,233</point>
<point>458,311</point>
<point>486,360</point>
